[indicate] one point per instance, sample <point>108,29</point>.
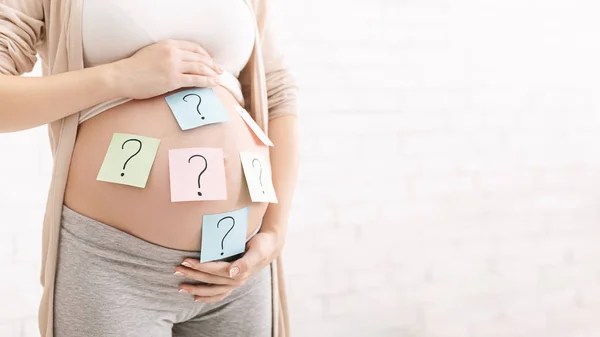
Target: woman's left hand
<point>224,277</point>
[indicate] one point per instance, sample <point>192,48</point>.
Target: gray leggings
<point>112,284</point>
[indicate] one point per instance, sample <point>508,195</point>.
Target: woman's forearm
<point>27,102</point>
<point>283,131</point>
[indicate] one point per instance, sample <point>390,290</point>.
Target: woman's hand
<point>164,66</point>
<point>225,277</point>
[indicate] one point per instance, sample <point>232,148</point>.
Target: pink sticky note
<point>197,174</point>
<point>252,124</point>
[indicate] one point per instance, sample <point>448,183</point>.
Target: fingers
<point>215,273</point>
<point>187,80</point>
<point>197,68</point>
<point>194,66</point>
<point>204,277</point>
<point>205,290</point>
<point>188,56</point>
<point>207,294</point>
<point>241,268</point>
<point>211,299</point>
<point>218,268</point>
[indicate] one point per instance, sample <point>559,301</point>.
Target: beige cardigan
<point>52,29</point>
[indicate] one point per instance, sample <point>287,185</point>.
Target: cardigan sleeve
<point>281,84</point>
<point>21,30</point>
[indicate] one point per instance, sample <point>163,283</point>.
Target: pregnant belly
<point>148,213</point>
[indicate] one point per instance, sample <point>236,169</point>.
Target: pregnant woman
<point>124,261</point>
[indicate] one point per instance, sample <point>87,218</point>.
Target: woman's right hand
<point>165,66</point>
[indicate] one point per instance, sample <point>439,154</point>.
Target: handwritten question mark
<point>135,154</point>
<point>197,106</point>
<point>200,175</point>
<point>260,174</point>
<point>232,225</point>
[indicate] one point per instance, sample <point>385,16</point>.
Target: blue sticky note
<point>224,235</point>
<point>197,107</point>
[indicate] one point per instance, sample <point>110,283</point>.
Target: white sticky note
<point>257,170</point>
<point>253,126</point>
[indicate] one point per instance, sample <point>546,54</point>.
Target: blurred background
<point>450,180</point>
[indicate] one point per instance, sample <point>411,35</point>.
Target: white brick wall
<point>449,184</point>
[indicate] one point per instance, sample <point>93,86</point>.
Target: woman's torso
<point>226,30</point>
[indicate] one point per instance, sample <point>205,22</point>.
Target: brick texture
<point>449,184</point>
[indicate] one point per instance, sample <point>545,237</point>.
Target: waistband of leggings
<point>104,238</point>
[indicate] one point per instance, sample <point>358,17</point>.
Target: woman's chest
<point>115,29</point>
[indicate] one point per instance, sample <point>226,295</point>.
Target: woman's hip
<point>110,282</point>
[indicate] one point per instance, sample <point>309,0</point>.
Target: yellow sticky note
<point>257,170</point>
<point>129,160</point>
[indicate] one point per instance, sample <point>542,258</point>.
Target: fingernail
<point>234,271</point>
<point>184,291</point>
<point>217,80</point>
<point>178,273</point>
<point>196,300</point>
<point>187,264</point>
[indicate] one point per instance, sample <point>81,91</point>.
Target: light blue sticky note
<point>224,235</point>
<point>197,107</point>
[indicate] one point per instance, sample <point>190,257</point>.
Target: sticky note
<point>197,174</point>
<point>224,235</point>
<point>129,160</point>
<point>257,170</point>
<point>197,107</point>
<point>253,126</point>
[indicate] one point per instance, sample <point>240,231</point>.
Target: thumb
<point>244,264</point>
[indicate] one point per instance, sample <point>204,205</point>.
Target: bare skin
<point>148,213</point>
<point>183,64</point>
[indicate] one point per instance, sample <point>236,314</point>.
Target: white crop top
<point>116,29</point>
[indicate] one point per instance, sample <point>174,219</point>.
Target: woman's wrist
<point>276,228</point>
<point>275,219</point>
<point>111,75</point>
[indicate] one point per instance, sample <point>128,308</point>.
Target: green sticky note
<point>129,160</point>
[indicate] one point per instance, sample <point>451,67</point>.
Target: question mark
<point>232,225</point>
<point>135,154</point>
<point>260,174</point>
<point>197,106</point>
<point>205,167</point>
